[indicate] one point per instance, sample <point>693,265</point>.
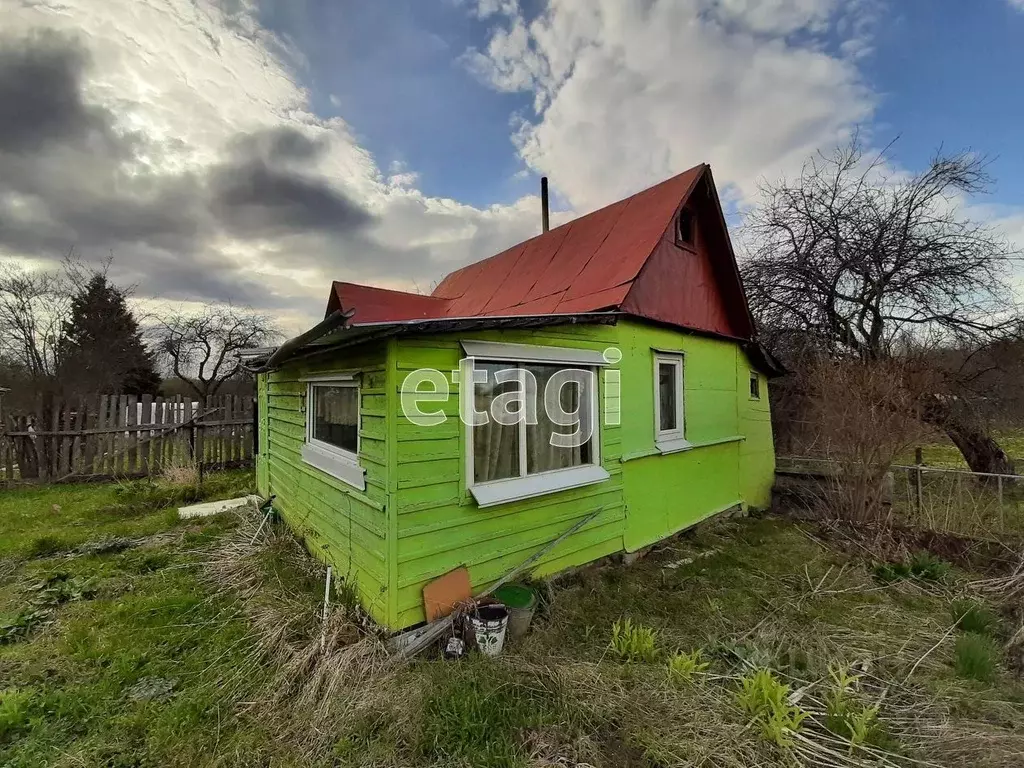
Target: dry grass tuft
<point>185,474</point>
<point>318,676</point>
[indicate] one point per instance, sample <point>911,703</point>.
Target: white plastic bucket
<point>489,624</point>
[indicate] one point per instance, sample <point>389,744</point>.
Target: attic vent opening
<point>684,227</point>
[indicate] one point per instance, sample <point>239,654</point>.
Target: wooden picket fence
<point>106,436</point>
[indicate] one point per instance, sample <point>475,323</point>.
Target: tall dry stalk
<point>867,414</point>
<point>184,473</point>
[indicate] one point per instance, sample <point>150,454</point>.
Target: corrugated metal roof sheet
<point>582,262</point>
<point>374,305</point>
<point>590,264</point>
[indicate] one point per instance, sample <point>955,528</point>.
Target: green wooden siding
<point>339,524</point>
<point>417,519</point>
<point>439,524</point>
<point>757,451</point>
<point>665,494</point>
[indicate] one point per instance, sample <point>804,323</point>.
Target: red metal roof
<point>591,264</point>
<point>376,305</point>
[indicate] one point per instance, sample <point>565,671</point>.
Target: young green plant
<point>682,667</point>
<point>634,642</point>
<point>765,699</point>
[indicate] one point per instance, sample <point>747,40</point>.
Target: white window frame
<point>754,376</point>
<point>670,440</point>
<point>494,492</point>
<point>335,461</point>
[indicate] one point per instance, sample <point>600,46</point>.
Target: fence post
<point>199,435</point>
<point>255,427</point>
<point>919,460</point>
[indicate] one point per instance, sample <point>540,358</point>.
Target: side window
<point>332,429</point>
<point>755,386</point>
<point>669,408</point>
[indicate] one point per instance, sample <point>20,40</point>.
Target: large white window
<point>534,422</point>
<point>332,428</point>
<point>669,412</point>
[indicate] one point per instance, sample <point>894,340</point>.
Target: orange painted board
<point>442,594</point>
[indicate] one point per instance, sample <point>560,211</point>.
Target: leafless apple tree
<point>201,349</point>
<point>852,259</point>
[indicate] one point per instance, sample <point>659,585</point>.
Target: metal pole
<point>544,216</point>
<point>327,603</point>
<point>1002,514</point>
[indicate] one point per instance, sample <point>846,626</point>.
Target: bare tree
<point>33,309</point>
<point>856,260</point>
<point>202,349</point>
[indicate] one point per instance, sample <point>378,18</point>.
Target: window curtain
<point>337,415</point>
<point>541,455</point>
<point>496,446</point>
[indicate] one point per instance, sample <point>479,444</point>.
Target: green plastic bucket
<point>521,602</point>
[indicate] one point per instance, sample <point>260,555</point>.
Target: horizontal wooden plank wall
<point>339,524</point>
<point>439,525</point>
<point>124,436</point>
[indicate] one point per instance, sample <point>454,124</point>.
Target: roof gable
<point>582,266</point>
<point>620,257</point>
<point>694,285</point>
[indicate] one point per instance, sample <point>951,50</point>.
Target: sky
<point>251,151</point>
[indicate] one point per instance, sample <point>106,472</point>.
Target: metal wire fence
<point>936,498</point>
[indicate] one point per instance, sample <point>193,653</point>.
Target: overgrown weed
<point>976,657</point>
<point>974,616</point>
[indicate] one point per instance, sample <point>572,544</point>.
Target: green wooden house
<point>382,434</point>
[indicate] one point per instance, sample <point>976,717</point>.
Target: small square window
<point>755,386</point>
<point>332,430</point>
<point>684,227</point>
<point>336,416</point>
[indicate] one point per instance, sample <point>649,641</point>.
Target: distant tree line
<point>72,331</point>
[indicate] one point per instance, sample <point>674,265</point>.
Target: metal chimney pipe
<point>544,222</point>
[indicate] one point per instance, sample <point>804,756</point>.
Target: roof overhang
<point>764,360</point>
<point>335,333</point>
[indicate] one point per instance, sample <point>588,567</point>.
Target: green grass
<point>921,565</point>
<point>975,616</point>
<point>941,452</point>
<point>476,714</point>
<point>976,657</point>
<point>44,520</point>
<point>119,622</point>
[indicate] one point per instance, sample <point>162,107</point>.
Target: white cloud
<point>628,93</point>
<point>189,77</point>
